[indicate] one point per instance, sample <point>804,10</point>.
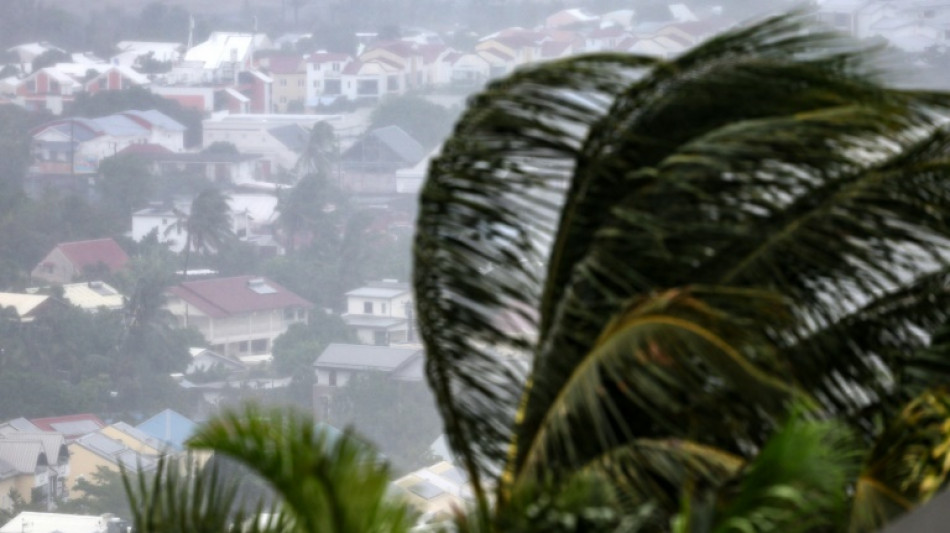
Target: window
<point>336,67</point>
<point>332,87</point>
<point>380,338</point>
<point>384,309</point>
<point>368,308</point>
<point>242,346</point>
<point>333,378</point>
<point>283,82</point>
<point>367,88</point>
<point>259,346</point>
<point>301,83</point>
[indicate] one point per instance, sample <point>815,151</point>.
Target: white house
<point>238,316</point>
<point>381,313</point>
<point>338,363</point>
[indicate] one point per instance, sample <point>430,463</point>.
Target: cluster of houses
<point>42,459</point>
<point>910,25</point>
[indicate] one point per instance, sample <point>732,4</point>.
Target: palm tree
<point>207,224</point>
<point>698,294</point>
<point>757,223</point>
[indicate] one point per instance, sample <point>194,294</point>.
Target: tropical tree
<point>207,224</point>
<point>757,223</point>
<point>698,294</point>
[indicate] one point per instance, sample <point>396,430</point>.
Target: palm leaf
<point>325,483</point>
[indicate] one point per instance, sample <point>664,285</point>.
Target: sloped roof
<point>119,126</point>
<point>16,425</point>
<point>138,435</point>
<point>24,304</point>
<point>53,444</point>
<point>328,57</point>
<point>115,451</point>
<point>170,427</point>
<point>285,64</point>
<point>23,455</point>
<point>380,289</point>
<point>153,118</point>
<point>223,297</point>
<point>71,426</point>
<point>84,254</point>
<point>293,136</point>
<point>367,357</point>
<point>396,139</point>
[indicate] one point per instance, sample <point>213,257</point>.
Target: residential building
<point>32,464</point>
<point>70,426</point>
<point>380,313</point>
<point>35,522</point>
<point>436,492</point>
<point>205,360</point>
<point>70,261</point>
<point>239,316</point>
<point>267,135</point>
<point>169,427</point>
<point>221,57</point>
<point>94,450</point>
<point>370,164</point>
<point>134,438</point>
<point>135,53</point>
<point>115,78</point>
<point>93,296</point>
<point>339,363</point>
<point>26,306</point>
<point>289,75</point>
<point>324,75</point>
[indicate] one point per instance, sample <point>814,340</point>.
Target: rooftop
<point>223,297</point>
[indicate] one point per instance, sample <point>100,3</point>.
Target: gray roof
<point>400,142</point>
<point>53,444</point>
<point>78,129</point>
<point>75,427</point>
<point>378,292</point>
<point>24,456</point>
<point>293,136</point>
<point>17,424</point>
<point>116,451</point>
<point>366,357</point>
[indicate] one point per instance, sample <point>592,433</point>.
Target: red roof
<point>223,297</point>
<point>71,426</point>
<point>83,254</point>
<point>284,64</point>
<point>554,49</point>
<point>353,67</point>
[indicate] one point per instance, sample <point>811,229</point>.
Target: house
<point>204,360</point>
<point>338,363</point>
<point>136,439</point>
<point>135,53</point>
<point>223,55</point>
<point>289,75</point>
<point>26,306</point>
<point>77,145</point>
<point>115,78</point>
<point>370,164</point>
<point>69,261</point>
<point>436,492</point>
<point>70,426</point>
<point>221,167</point>
<point>324,78</point>
<point>466,69</point>
<point>34,465</point>
<point>35,522</point>
<point>169,427</point>
<point>238,316</point>
<point>380,313</point>
<point>93,296</point>
<point>265,135</point>
<point>94,450</point>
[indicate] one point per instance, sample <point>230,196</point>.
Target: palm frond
<point>909,463</point>
<point>180,497</point>
<point>325,482</point>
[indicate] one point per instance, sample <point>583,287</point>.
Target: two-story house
<point>34,464</point>
<point>239,316</point>
<point>380,313</point>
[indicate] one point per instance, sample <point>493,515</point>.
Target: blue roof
<point>170,427</point>
<point>119,126</point>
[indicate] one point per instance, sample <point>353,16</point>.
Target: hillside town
<point>185,226</point>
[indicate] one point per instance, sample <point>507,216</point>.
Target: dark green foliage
<point>297,349</point>
<point>124,185</point>
<point>102,492</point>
